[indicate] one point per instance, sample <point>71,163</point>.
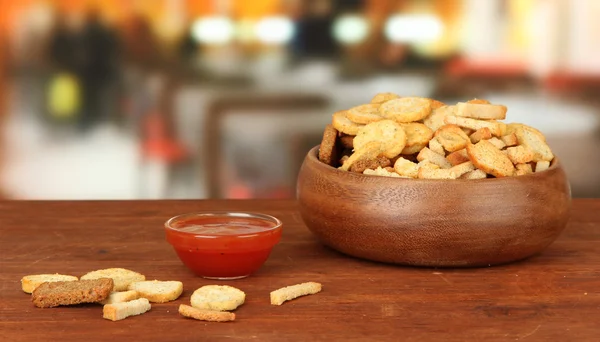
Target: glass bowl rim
<point>225,214</point>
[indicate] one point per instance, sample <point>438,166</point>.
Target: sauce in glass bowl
<point>223,245</point>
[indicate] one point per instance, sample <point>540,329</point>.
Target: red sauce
<point>223,246</point>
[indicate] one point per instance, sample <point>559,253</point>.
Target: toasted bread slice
<point>218,297</point>
<point>427,154</point>
<point>480,134</point>
<point>206,315</point>
<point>436,146</point>
<point>328,149</point>
<point>542,165</point>
<point>474,124</point>
<point>481,111</point>
<point>379,171</point>
<point>364,114</point>
<point>58,293</point>
<point>119,311</point>
<point>458,157</point>
<point>341,122</point>
<point>383,97</point>
<point>388,133</point>
<point>452,138</point>
<point>413,149</point>
<point>121,276</point>
<point>406,168</point>
<point>361,165</point>
<point>158,291</point>
<point>284,294</point>
<point>519,154</point>
<point>490,159</point>
<point>368,152</point>
<point>31,282</point>
<point>427,173</point>
<point>515,126</point>
<point>406,109</point>
<point>534,141</point>
<point>436,119</point>
<point>417,134</point>
<point>463,168</point>
<point>475,174</point>
<point>121,297</point>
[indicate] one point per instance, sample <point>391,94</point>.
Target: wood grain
<point>440,223</point>
<point>554,296</point>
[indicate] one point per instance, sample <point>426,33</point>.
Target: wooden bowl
<point>437,223</point>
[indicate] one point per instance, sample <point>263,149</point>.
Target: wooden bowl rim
<point>312,157</point>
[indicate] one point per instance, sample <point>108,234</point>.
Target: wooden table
<point>551,297</point>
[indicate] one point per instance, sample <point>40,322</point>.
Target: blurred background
<point>151,99</point>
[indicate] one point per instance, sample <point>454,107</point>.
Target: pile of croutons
<point>416,137</point>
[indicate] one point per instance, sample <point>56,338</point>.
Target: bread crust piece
<point>388,133</point>
<point>481,111</point>
<point>417,134</point>
<point>30,282</point>
<point>463,168</point>
<point>436,146</point>
<point>158,291</point>
<point>437,117</point>
<point>406,109</point>
<point>532,139</point>
<point>490,159</point>
<point>328,150</point>
<point>480,134</point>
<point>510,139</point>
<point>284,294</point>
<point>383,97</point>
<point>368,152</point>
<point>206,315</point>
<point>458,157</point>
<point>406,168</point>
<point>384,172</point>
<point>475,124</point>
<point>519,154</point>
<point>452,137</point>
<point>364,114</point>
<point>427,173</point>
<point>542,165</point>
<point>218,297</point>
<point>475,174</point>
<point>362,165</point>
<point>121,297</point>
<point>53,294</point>
<point>427,154</point>
<point>341,122</point>
<point>122,277</point>
<point>119,311</point>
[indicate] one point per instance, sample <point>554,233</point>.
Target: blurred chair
<point>255,144</point>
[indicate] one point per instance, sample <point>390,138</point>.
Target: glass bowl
<point>223,245</point>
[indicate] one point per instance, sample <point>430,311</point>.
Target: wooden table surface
<point>551,297</point>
